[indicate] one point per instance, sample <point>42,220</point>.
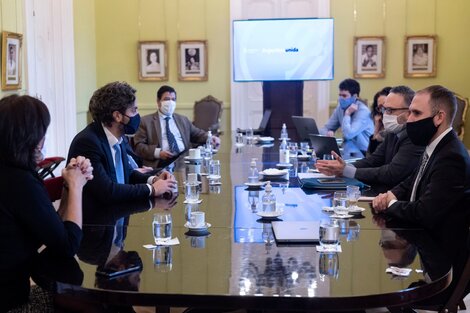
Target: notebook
<point>324,145</point>
<point>305,126</point>
<point>296,231</point>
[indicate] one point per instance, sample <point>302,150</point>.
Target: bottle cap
<point>253,164</point>
<point>268,187</point>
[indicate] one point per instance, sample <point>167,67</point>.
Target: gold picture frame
<point>11,60</point>
<point>192,60</point>
<point>369,57</point>
<point>153,60</point>
<point>420,56</point>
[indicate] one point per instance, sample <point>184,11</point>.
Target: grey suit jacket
<point>393,161</point>
<point>149,136</point>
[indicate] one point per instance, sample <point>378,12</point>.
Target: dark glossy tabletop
<point>238,263</point>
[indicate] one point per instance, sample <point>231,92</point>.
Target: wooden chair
<point>459,121</point>
<point>207,114</point>
<point>47,166</point>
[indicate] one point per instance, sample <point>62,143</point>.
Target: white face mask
<point>391,124</point>
<point>168,107</point>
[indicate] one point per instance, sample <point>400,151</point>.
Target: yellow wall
<point>396,19</point>
<point>120,24</point>
<point>11,20</point>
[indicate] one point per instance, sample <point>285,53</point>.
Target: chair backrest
<point>459,120</point>
<point>207,114</point>
<point>54,187</point>
<point>265,120</point>
<point>47,166</point>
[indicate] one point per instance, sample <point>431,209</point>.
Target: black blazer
<point>393,161</point>
<point>92,143</point>
<point>443,194</point>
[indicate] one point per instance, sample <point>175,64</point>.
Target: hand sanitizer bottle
<point>283,152</point>
<point>284,131</point>
<point>254,175</point>
<point>269,199</point>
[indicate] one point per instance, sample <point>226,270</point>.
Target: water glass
<point>304,148</point>
<point>353,194</point>
<point>163,258</point>
<point>293,149</point>
<point>162,227</point>
<point>214,170</point>
<point>329,234</point>
<point>340,203</point>
<point>191,192</point>
<point>249,133</point>
<point>239,140</point>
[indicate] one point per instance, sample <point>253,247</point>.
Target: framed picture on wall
<point>11,60</point>
<point>152,56</point>
<point>192,60</point>
<point>420,56</point>
<point>369,57</point>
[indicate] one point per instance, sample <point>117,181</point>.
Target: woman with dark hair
<point>27,218</point>
<point>378,135</point>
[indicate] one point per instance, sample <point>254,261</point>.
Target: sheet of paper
<point>313,175</point>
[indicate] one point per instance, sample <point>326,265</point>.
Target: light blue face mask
<point>346,102</point>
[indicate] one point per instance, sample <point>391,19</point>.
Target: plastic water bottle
<point>283,152</point>
<point>209,141</point>
<point>254,175</point>
<point>269,199</point>
<point>284,132</point>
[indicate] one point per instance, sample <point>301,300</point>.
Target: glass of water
<point>214,171</point>
<point>162,227</point>
<point>304,148</point>
<point>329,234</point>
<point>249,134</point>
<point>239,140</point>
<point>340,203</point>
<point>353,193</point>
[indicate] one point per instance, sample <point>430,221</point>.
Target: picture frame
<point>369,57</point>
<point>420,56</point>
<point>153,60</point>
<point>192,60</point>
<point>11,60</point>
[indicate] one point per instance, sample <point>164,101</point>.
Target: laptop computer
<point>305,126</point>
<point>296,231</point>
<point>323,145</point>
<point>262,125</point>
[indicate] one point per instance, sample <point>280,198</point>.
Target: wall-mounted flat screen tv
<point>283,49</point>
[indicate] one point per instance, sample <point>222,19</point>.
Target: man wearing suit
<point>114,111</point>
<point>394,159</point>
<point>438,193</point>
<point>165,134</point>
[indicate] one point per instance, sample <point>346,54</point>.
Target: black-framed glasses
<point>391,110</point>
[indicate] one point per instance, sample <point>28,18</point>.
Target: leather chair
<point>207,114</point>
<point>459,120</point>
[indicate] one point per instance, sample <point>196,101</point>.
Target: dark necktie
<point>170,137</point>
<point>424,160</point>
<point>118,164</point>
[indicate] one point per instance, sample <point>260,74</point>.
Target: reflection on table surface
<point>238,256</point>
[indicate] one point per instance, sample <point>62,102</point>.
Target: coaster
<point>192,202</point>
<point>335,249</point>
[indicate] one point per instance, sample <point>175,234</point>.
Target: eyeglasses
<point>391,110</point>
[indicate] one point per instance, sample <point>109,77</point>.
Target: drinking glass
<point>304,148</point>
<point>191,191</point>
<point>163,258</point>
<point>293,148</point>
<point>162,227</point>
<point>340,203</point>
<point>214,170</point>
<point>239,140</point>
<point>329,234</point>
<point>353,194</point>
<point>249,133</point>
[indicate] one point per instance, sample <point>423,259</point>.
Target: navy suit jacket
<point>443,193</point>
<point>92,143</point>
<point>392,162</point>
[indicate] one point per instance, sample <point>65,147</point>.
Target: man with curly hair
<point>115,113</point>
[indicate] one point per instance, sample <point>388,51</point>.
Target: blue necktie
<point>118,164</point>
<point>171,138</point>
<point>132,162</point>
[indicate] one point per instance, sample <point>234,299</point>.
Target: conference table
<point>236,263</point>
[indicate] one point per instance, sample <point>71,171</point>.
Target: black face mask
<point>131,127</point>
<point>421,132</point>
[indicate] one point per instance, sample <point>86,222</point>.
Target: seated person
<point>163,135</point>
<point>28,219</point>
<point>379,132</point>
<point>353,116</point>
<point>394,159</point>
<point>114,111</point>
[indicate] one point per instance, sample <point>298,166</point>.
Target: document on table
<point>313,175</point>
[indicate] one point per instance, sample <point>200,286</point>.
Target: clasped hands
<point>164,183</point>
<point>77,172</point>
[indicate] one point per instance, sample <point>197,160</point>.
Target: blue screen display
<point>283,49</point>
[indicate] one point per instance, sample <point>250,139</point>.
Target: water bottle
<point>284,131</point>
<point>209,141</point>
<point>283,152</point>
<point>269,199</point>
<point>254,175</point>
